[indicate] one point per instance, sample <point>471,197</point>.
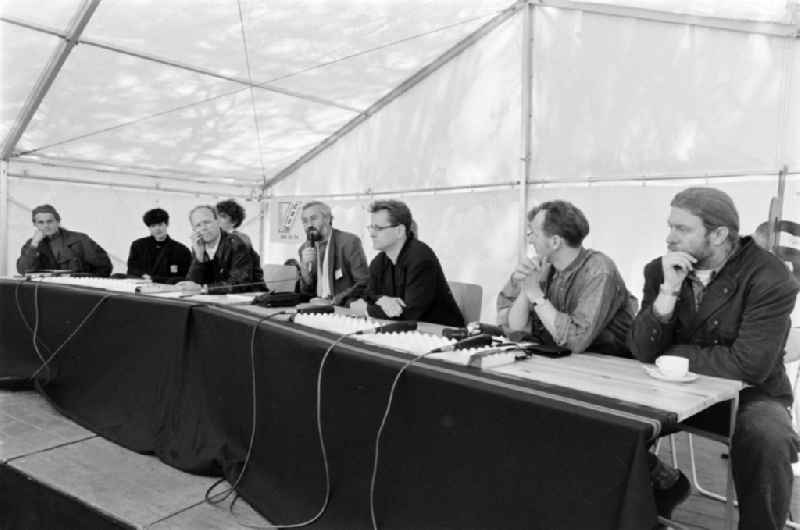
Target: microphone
<point>310,238</point>
<point>401,325</point>
<point>470,342</point>
<point>315,309</point>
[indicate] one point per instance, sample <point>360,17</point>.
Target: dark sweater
<point>164,261</point>
<point>78,253</point>
<point>417,279</point>
<point>232,269</point>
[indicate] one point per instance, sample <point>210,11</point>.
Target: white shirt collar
<point>211,251</point>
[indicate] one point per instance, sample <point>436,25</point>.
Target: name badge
<point>173,269</point>
<point>337,274</point>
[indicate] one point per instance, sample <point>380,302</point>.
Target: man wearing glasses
<point>338,254</point>
<point>406,281</point>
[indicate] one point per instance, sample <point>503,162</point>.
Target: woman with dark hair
<point>293,262</point>
<point>231,214</point>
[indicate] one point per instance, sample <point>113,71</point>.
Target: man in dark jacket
<point>158,257</point>
<point>337,253</point>
<point>406,281</point>
<point>724,303</point>
<point>53,247</point>
<point>220,261</point>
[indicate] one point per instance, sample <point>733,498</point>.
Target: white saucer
<point>654,372</point>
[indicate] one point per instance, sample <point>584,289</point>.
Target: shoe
<point>668,499</point>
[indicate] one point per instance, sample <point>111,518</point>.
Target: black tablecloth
<point>461,449</point>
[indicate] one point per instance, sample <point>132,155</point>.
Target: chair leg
<point>701,490</point>
<point>674,450</point>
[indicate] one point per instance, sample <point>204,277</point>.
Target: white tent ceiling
<point>160,88</point>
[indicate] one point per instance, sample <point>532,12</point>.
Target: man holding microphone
<point>333,267</point>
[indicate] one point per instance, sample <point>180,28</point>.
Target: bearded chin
<point>703,253</point>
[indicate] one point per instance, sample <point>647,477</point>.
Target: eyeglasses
<point>376,228</point>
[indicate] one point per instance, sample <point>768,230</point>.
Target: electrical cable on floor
<point>212,499</point>
<point>376,457</point>
<point>216,498</point>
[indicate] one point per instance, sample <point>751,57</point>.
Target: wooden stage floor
<point>136,490</point>
<point>141,492</point>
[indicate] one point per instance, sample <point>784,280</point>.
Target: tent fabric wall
<point>792,109</point>
<point>616,97</point>
<point>112,217</point>
<point>459,126</point>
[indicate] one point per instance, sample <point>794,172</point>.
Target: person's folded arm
<point>198,271</point>
<point>136,266</point>
<point>598,302</point>
<point>96,257</point>
<point>28,260</point>
<point>760,341</point>
<point>418,295</point>
<point>184,259</point>
<point>240,275</point>
<point>519,314</point>
<point>505,299</point>
<point>651,334</point>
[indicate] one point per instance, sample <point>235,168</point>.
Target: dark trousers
<point>763,448</point>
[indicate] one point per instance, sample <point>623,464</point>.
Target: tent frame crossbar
<point>175,64</point>
<point>135,170</point>
<point>156,187</point>
<point>399,90</point>
<point>772,29</point>
<point>48,75</point>
<point>642,180</point>
<point>197,180</point>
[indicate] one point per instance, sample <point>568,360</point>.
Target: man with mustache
<point>333,267</point>
<point>723,302</point>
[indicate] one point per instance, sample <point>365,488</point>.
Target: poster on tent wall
<point>285,225</point>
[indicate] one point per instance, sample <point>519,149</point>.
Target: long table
<point>462,448</point>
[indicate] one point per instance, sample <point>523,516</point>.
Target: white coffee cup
<point>673,366</point>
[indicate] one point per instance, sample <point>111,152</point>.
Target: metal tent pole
<point>527,123</point>
<point>4,205</point>
<point>48,75</point>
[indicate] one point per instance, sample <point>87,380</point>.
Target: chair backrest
<point>469,298</point>
<point>281,278</point>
